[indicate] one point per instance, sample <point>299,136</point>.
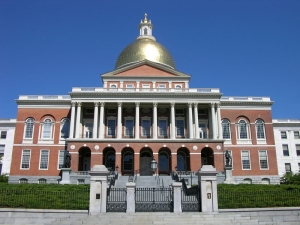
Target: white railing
<point>44,97</point>
<point>286,121</point>
<point>242,98</point>
<point>161,90</point>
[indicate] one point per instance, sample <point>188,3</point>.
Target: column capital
<point>137,104</point>
<point>189,104</point>
<point>218,104</point>
<point>79,104</point>
<point>172,104</point>
<point>102,104</point>
<point>120,104</point>
<point>212,105</point>
<point>154,104</point>
<point>196,104</point>
<point>96,104</point>
<point>73,104</point>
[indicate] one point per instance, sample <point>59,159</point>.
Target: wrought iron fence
<point>44,199</point>
<point>116,200</point>
<point>190,198</point>
<point>154,200</point>
<point>258,199</point>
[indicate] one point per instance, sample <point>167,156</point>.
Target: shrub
<point>4,178</point>
<point>290,178</point>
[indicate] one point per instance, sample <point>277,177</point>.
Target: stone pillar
<point>137,120</point>
<point>72,125</point>
<point>98,189</point>
<point>78,118</point>
<point>119,134</point>
<point>172,121</point>
<point>228,175</point>
<point>95,125</point>
<point>101,121</point>
<point>177,197</point>
<point>190,121</point>
<point>207,181</point>
<point>130,197</point>
<point>154,125</point>
<point>196,121</point>
<point>213,122</point>
<point>65,176</point>
<point>220,135</point>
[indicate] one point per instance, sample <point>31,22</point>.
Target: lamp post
<point>153,165</point>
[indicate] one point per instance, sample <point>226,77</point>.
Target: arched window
<point>23,181</point>
<point>243,130</point>
<point>110,159</point>
<point>163,162</point>
<point>265,181</point>
<point>247,181</point>
<point>47,127</point>
<point>64,128</point>
<point>42,181</point>
<point>226,129</point>
<point>145,31</point>
<point>260,129</point>
<point>178,86</point>
<point>128,161</point>
<point>181,161</point>
<point>29,128</point>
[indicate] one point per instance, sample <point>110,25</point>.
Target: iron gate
<point>154,200</point>
<point>190,199</point>
<point>116,200</point>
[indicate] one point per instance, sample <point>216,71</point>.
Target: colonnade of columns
<point>192,122</point>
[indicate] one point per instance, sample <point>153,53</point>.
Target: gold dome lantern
<point>145,47</point>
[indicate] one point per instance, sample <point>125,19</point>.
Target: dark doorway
<point>145,162</point>
<point>84,159</point>
<point>207,156</point>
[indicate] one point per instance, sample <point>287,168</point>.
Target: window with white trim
<point>25,162</point>
<point>246,160</point>
<point>178,86</point>
<point>47,128</point>
<point>263,159</point>
<point>243,130</point>
<point>129,87</point>
<point>283,135</point>
<point>3,134</point>
<point>113,86</point>
<point>129,125</point>
<point>161,87</point>
<point>44,158</point>
<point>285,150</point>
<point>29,128</point>
<point>64,128</point>
<point>287,167</point>
<point>226,129</point>
<point>146,127</point>
<point>260,129</point>
<point>163,127</point>
<point>111,127</point>
<point>298,150</point>
<point>179,127</point>
<point>61,159</point>
<point>146,87</point>
<point>296,135</point>
<point>203,129</point>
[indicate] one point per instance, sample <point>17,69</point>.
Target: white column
<point>196,120</point>
<point>154,85</point>
<point>105,84</point>
<point>121,84</point>
<point>170,84</point>
<point>72,125</point>
<point>213,122</point>
<point>154,124</point>
<point>190,120</point>
<point>137,120</point>
<point>78,118</point>
<point>220,135</point>
<point>137,86</point>
<point>172,120</point>
<point>119,135</point>
<point>101,120</point>
<point>95,125</point>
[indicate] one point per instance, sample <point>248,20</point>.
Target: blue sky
<point>245,48</point>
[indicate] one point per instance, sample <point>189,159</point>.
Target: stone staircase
<point>69,217</point>
<point>146,181</point>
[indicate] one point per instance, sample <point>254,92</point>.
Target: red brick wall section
<point>145,71</point>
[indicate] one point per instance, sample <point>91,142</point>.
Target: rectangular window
<point>283,135</point>
<point>111,127</point>
<point>146,87</point>
<point>296,135</point>
<point>246,160</point>
<point>285,149</point>
<point>129,127</point>
<point>179,128</point>
<point>288,168</point>
<point>179,111</point>
<point>25,159</point>
<point>44,159</point>
<point>3,134</point>
<point>163,127</point>
<point>201,111</point>
<point>61,158</point>
<point>263,159</point>
<point>162,87</point>
<point>129,87</point>
<point>298,150</point>
<point>89,111</point>
<point>111,111</point>
<point>202,130</point>
<point>146,127</point>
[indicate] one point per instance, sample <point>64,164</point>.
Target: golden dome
<point>145,47</point>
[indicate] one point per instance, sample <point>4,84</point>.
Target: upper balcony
<point>44,97</point>
<point>151,90</point>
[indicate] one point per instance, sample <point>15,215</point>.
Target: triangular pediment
<point>145,68</point>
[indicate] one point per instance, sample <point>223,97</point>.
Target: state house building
<point>145,109</point>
